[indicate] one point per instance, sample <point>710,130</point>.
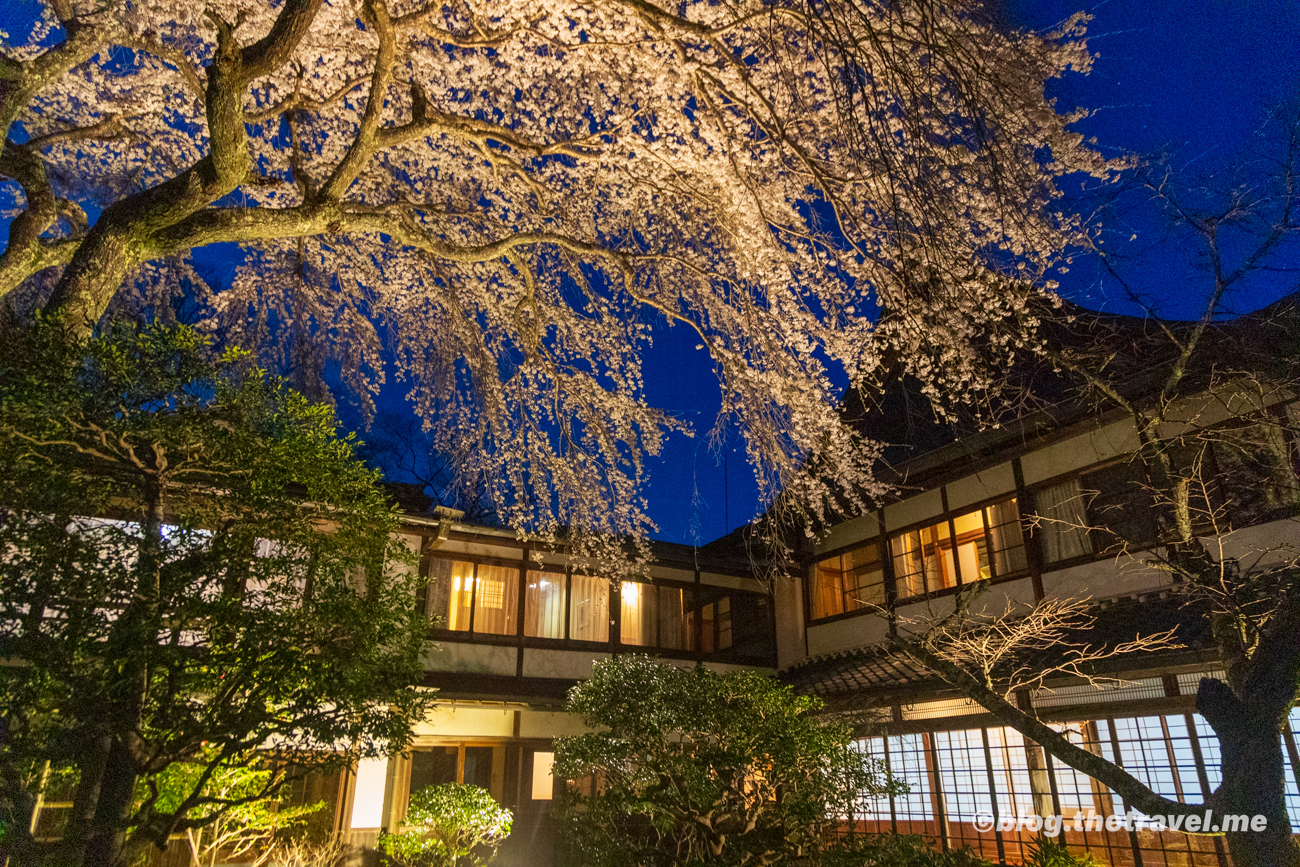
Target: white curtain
<point>1062,522</point>
<point>544,605</point>
<point>589,609</point>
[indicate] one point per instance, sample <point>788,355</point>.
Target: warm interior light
<point>543,779</point>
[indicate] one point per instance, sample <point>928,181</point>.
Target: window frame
<point>695,592</point>
<point>950,517</point>
<point>883,546</point>
<point>443,632</point>
<point>810,581</point>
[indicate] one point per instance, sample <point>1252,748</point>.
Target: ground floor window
<point>955,777</point>
<point>477,765</point>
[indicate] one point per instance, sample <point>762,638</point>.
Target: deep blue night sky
<point>1193,78</point>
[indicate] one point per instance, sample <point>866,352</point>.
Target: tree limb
<point>1133,791</point>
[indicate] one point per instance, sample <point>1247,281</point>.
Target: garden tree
<point>692,766</point>
<point>1209,463</point>
<point>448,825</point>
<point>250,822</point>
<point>505,198</point>
<point>197,566</point>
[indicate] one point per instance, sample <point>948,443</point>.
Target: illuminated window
<point>715,622</point>
<point>589,609</point>
<point>496,596</point>
<point>676,630</point>
<point>544,605</point>
<point>848,582</point>
<point>988,544</point>
<point>464,596</point>
<point>1062,521</point>
<point>637,615</point>
<point>543,787</point>
<point>460,604</point>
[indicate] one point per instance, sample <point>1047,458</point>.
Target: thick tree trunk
<point>1253,778</point>
<point>105,842</point>
<point>1253,785</point>
<point>91,767</point>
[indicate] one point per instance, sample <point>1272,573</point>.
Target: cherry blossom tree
<point>500,201</point>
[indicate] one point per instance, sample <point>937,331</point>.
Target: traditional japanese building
<point>513,628</point>
<point>1028,510</point>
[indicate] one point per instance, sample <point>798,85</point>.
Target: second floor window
<point>986,543</point>
<point>656,616</point>
<point>848,581</point>
<point>1063,521</point>
<point>544,604</point>
<point>474,597</point>
<point>589,608</point>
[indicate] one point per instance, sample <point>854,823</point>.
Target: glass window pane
<point>1005,537</point>
<point>589,609</point>
<point>432,767</point>
<point>1119,503</point>
<point>707,625</point>
<point>496,600</point>
<point>433,597</point>
<point>544,605</point>
<point>637,620</point>
<point>923,560</point>
<point>724,623</point>
<point>1062,523</point>
<point>909,566</point>
<point>676,631</point>
<point>864,578</point>
<point>478,767</point>
<point>972,550</point>
<point>451,588</point>
<point>1257,473</point>
<point>827,592</point>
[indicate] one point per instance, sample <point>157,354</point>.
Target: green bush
<point>451,825</point>
<point>896,850</point>
<point>1049,853</point>
<point>698,767</point>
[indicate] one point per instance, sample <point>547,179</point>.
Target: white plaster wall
<point>788,601</point>
<point>735,582</point>
<point>467,721</point>
<point>1123,576</point>
<point>981,486</point>
<point>1232,400</point>
<point>910,511</point>
<point>1081,451</point>
<point>1265,544</point>
<point>996,598</point>
<point>849,532</point>
<point>851,632</point>
<point>550,724</point>
<point>549,557</point>
<point>476,549</point>
<point>928,609</point>
<point>481,658</point>
<point>567,664</point>
<point>686,575</point>
<point>413,543</point>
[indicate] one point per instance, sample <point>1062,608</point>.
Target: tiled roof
<point>858,670</point>
<point>878,669</point>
